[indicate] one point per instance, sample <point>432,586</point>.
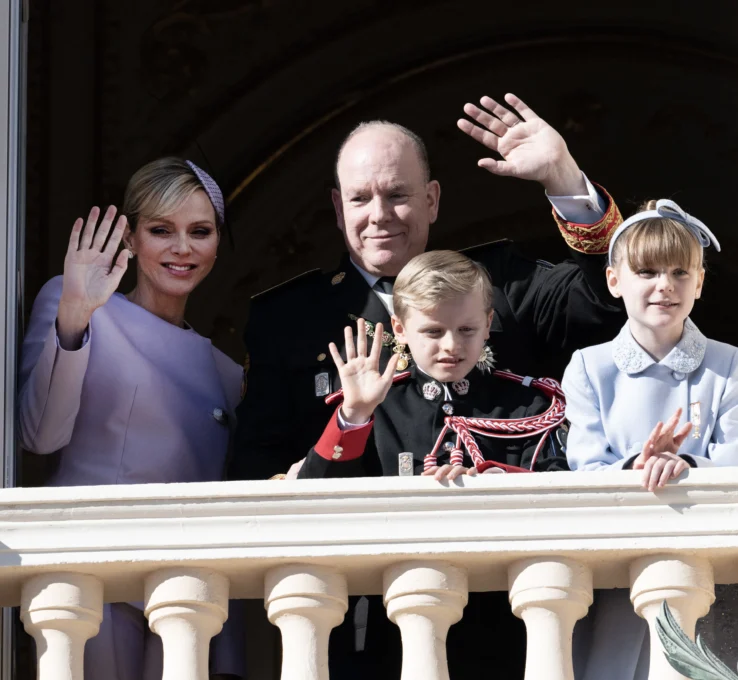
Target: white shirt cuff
<point>587,209</point>
<point>344,425</point>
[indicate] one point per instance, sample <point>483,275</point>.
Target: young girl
<point>660,368</point>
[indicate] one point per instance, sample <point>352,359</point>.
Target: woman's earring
<point>404,360</point>
<point>130,254</point>
<point>486,361</point>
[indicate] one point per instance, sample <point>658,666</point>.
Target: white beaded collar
<point>686,356</point>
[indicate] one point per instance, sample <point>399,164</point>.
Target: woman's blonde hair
<point>657,241</point>
<point>158,189</point>
<point>438,276</point>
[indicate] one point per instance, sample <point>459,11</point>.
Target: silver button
<point>678,375</point>
<point>219,415</point>
<point>448,409</point>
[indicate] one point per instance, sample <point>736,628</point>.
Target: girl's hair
<point>158,189</point>
<point>438,276</point>
<point>657,241</point>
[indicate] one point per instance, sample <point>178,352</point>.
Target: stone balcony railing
<point>303,546</point>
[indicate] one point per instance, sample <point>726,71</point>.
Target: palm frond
<point>693,660</point>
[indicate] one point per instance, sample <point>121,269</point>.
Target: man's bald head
<point>417,143</point>
<point>385,202</point>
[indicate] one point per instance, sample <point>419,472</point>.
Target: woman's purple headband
<point>211,189</point>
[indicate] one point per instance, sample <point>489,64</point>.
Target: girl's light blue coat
<point>616,393</point>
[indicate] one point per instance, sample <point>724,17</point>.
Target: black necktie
<point>385,284</point>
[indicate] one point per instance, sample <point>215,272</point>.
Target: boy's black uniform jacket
<point>407,421</point>
<point>542,314</point>
<point>489,639</point>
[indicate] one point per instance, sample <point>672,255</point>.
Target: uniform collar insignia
<point>429,387</point>
<point>461,387</point>
<point>686,357</point>
<point>432,390</point>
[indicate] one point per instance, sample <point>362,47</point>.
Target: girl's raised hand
<point>92,272</point>
<point>659,460</point>
<point>364,387</point>
<point>664,439</point>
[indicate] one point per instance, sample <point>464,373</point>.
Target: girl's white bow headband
<point>670,210</point>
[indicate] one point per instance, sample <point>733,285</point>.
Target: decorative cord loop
<point>503,428</point>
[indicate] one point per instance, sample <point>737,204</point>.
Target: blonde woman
<point>121,385</point>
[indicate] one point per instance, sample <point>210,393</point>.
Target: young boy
<point>443,311</point>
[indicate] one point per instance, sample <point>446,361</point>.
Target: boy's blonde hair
<point>655,242</point>
<point>438,276</point>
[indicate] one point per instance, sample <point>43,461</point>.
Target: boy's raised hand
<point>364,387</point>
<point>659,460</point>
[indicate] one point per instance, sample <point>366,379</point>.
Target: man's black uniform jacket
<point>542,314</point>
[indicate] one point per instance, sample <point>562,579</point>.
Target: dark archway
<point>662,137</point>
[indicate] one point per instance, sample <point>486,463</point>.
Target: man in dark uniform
<point>385,202</point>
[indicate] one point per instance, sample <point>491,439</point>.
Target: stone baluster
<point>305,602</point>
<point>424,599</point>
<point>550,595</point>
<point>186,608</point>
<point>61,611</point>
<point>686,583</point>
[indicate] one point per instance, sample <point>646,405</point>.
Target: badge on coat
<point>695,417</point>
<point>322,384</point>
<point>431,391</point>
<point>405,464</point>
<point>461,387</point>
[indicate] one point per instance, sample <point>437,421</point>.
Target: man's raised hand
<point>364,387</point>
<point>530,147</point>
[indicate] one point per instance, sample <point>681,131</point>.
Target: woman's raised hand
<point>92,272</point>
<point>364,387</point>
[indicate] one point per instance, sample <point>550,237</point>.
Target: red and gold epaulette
<point>337,396</point>
<point>592,239</point>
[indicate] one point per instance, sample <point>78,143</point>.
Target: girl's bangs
<point>659,242</point>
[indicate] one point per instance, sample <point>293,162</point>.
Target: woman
<point>120,384</point>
